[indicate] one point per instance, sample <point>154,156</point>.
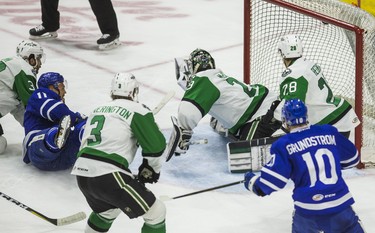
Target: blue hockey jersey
<point>313,159</point>
<point>45,109</point>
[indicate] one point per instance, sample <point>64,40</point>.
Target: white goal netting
<point>330,46</point>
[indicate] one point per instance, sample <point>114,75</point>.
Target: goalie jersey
<point>230,101</point>
<point>313,159</point>
<point>111,138</point>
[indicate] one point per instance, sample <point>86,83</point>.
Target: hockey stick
<point>163,102</point>
<point>55,221</point>
<point>167,198</point>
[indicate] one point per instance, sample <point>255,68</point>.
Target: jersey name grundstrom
<point>309,142</point>
<point>123,112</point>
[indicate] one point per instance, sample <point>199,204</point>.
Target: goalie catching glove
<point>179,140</point>
<point>146,174</point>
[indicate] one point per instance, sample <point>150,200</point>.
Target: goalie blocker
<point>244,156</point>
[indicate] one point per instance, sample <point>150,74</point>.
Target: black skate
<point>108,41</point>
<point>40,32</point>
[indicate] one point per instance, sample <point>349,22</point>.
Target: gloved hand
<point>268,118</point>
<point>247,178</point>
<point>146,173</point>
<point>184,142</point>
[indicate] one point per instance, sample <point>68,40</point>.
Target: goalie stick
<point>163,102</point>
<point>55,221</point>
<point>167,198</point>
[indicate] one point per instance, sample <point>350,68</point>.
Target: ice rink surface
<point>152,34</point>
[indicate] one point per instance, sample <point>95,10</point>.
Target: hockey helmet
<point>50,78</point>
<point>28,48</point>
<point>125,84</point>
<point>294,112</point>
<point>201,60</point>
<point>290,46</point>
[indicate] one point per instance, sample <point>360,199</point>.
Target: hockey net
<point>338,36</point>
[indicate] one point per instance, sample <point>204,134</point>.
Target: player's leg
<point>107,21</point>
<point>50,21</point>
<point>128,194</point>
<point>258,129</point>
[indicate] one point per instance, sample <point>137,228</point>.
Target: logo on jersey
<point>318,197</point>
<point>286,72</point>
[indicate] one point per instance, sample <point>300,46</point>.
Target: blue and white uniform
<point>43,114</point>
<point>313,157</point>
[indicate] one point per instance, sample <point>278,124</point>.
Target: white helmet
<point>125,84</point>
<point>28,47</point>
<point>290,46</point>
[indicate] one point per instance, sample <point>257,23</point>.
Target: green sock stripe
<point>252,130</point>
<point>100,222</point>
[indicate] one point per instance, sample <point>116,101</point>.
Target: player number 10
<point>319,172</point>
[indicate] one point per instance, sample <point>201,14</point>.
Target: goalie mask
<point>290,46</point>
<point>31,50</point>
<point>125,85</point>
<point>294,112</point>
<point>201,60</point>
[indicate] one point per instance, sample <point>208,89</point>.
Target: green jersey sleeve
<point>202,93</point>
<point>148,134</point>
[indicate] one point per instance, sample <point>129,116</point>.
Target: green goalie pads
<point>244,156</point>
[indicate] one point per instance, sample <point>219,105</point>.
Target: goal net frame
<point>359,51</point>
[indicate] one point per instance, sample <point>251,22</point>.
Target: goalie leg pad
<point>244,156</point>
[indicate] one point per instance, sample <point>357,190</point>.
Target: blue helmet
<point>50,78</point>
<point>294,112</point>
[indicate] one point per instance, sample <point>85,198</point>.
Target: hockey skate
<point>41,32</point>
<point>63,131</point>
<point>107,42</point>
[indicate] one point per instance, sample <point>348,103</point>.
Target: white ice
<point>152,33</point>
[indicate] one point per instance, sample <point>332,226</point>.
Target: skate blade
<point>64,130</point>
<point>114,44</point>
<point>47,35</point>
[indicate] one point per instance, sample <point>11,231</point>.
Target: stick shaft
<point>209,189</point>
<point>58,222</point>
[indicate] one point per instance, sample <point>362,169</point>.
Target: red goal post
<point>338,36</point>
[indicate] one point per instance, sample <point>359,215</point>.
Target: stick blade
<point>71,219</point>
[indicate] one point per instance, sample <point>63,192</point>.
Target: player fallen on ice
<point>245,111</point>
<point>18,81</point>
<point>52,130</point>
<point>312,156</point>
<point>113,134</point>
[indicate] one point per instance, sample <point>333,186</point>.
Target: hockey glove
<point>250,179</point>
<point>184,142</point>
<point>269,117</point>
<point>146,173</point>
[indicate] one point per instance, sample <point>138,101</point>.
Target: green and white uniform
<point>17,83</point>
<point>111,138</point>
<point>230,101</point>
<point>304,80</point>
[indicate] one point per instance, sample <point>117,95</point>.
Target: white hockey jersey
<point>304,80</point>
<point>111,138</point>
<point>230,101</point>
